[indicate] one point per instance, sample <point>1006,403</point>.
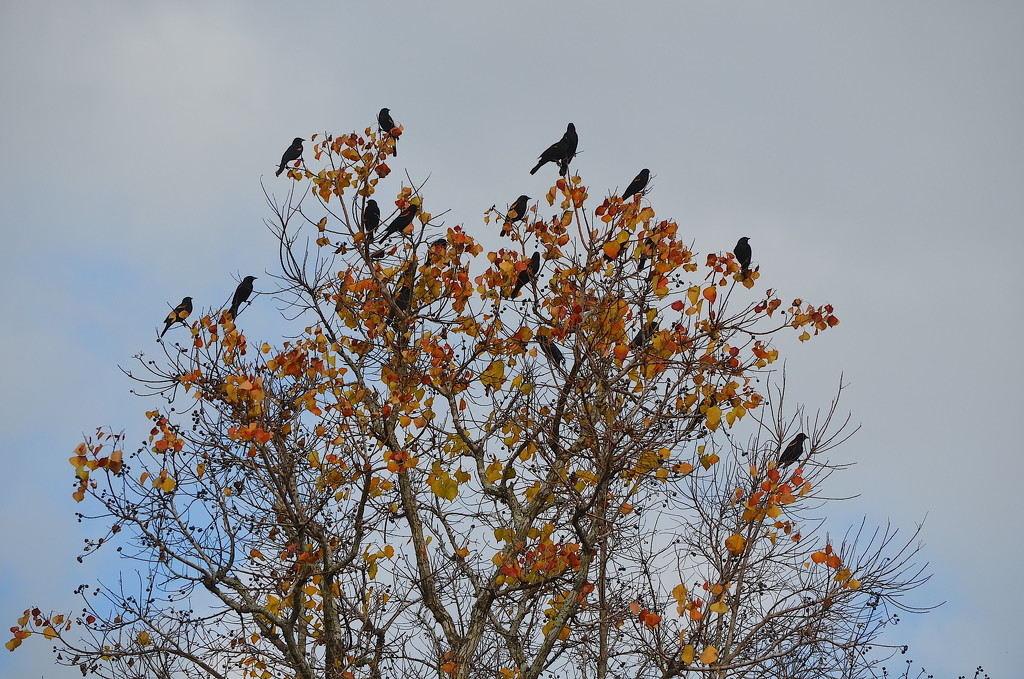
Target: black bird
<point>242,293</point>
<point>528,274</point>
<point>403,297</point>
<point>403,220</point>
<point>178,314</point>
<point>571,140</point>
<point>516,213</point>
<point>794,451</point>
<point>387,123</point>
<point>742,252</point>
<point>644,335</point>
<point>294,152</point>
<point>371,219</point>
<point>561,152</point>
<point>550,349</point>
<point>638,184</point>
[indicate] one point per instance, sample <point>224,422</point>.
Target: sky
<point>873,152</point>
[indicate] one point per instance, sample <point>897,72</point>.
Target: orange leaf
<point>709,655</point>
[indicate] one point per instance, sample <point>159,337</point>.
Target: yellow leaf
<point>735,543</point>
<point>709,655</point>
<point>200,469</point>
<point>494,376</point>
<point>13,644</point>
<point>49,632</point>
<point>688,655</point>
<point>714,417</point>
<point>144,638</point>
<point>719,607</point>
<point>389,551</point>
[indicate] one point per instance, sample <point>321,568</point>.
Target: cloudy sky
<point>873,151</point>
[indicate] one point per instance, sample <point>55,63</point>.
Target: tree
<point>413,485</point>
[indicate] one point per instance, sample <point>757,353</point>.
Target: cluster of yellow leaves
<point>87,457</point>
<point>47,627</point>
<point>443,484</point>
<point>708,656</point>
<point>372,557</point>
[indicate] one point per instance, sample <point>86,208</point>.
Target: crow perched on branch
<point>794,451</point>
<point>242,293</point>
<point>178,314</point>
<point>561,152</point>
<point>528,274</point>
<point>516,213</point>
<point>371,219</point>
<point>294,152</point>
<point>743,253</point>
<point>638,184</point>
<point>387,123</point>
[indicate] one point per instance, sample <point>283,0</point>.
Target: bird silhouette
<point>371,219</point>
<point>561,152</point>
<point>403,220</point>
<point>638,184</point>
<point>242,293</point>
<point>178,314</point>
<point>294,152</point>
<point>794,451</point>
<point>516,213</point>
<point>644,335</point>
<point>550,349</point>
<point>528,274</point>
<point>387,123</point>
<point>742,252</point>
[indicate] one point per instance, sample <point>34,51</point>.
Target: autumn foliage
<point>435,478</point>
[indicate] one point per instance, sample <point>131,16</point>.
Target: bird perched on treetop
<point>242,293</point>
<point>528,274</point>
<point>294,152</point>
<point>516,213</point>
<point>638,184</point>
<point>178,314</point>
<point>794,451</point>
<point>561,152</point>
<point>387,123</point>
<point>371,219</point>
<point>403,220</point>
<point>742,252</point>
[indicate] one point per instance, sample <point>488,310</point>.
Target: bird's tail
<point>279,171</point>
<point>537,167</point>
